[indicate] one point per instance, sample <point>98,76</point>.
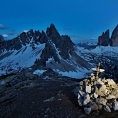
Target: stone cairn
<point>98,93</point>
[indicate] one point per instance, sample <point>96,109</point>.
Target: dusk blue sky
<point>80,19</point>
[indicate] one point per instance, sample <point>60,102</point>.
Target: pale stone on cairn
<point>86,99</point>
<point>88,89</point>
<point>102,88</point>
<point>87,110</point>
<point>81,93</point>
<point>95,95</point>
<point>101,101</point>
<point>110,97</point>
<point>94,106</point>
<point>98,92</point>
<point>79,96</point>
<point>109,105</point>
<point>114,91</point>
<point>116,95</point>
<point>80,102</point>
<point>115,105</point>
<point>99,82</point>
<point>107,109</point>
<point>111,82</point>
<point>81,83</point>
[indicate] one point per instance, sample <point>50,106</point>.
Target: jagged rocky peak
<point>104,39</point>
<point>114,37</point>
<point>1,42</point>
<point>52,31</point>
<point>1,38</point>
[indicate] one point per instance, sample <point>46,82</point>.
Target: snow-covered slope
<point>41,50</point>
<point>17,59</point>
<point>106,55</point>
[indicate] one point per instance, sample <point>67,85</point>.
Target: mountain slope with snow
<point>41,50</point>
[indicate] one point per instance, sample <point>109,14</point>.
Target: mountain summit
<point>105,39</point>
<point>41,49</point>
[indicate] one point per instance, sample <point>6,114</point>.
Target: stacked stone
<point>96,94</point>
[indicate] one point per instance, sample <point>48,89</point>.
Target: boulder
<point>86,99</point>
<point>95,95</point>
<point>107,109</point>
<point>88,89</point>
<point>101,101</point>
<point>111,83</point>
<point>115,105</point>
<point>93,106</point>
<point>110,97</point>
<point>80,101</point>
<point>87,110</point>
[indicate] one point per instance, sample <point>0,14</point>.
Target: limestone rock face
<point>103,40</point>
<point>1,38</point>
<point>114,37</point>
<point>1,41</point>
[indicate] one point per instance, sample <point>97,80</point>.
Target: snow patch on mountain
<point>39,72</point>
<point>17,59</point>
<point>78,74</point>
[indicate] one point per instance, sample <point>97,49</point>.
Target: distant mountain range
<point>41,50</point>
<point>86,44</point>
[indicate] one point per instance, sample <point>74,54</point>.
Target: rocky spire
<point>1,38</point>
<point>103,40</point>
<point>114,37</point>
<point>52,31</point>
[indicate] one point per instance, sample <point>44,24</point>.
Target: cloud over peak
<point>3,26</point>
<point>5,35</point>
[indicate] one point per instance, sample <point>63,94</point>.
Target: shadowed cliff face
<point>114,37</point>
<point>51,38</point>
<point>1,38</point>
<point>42,49</point>
<point>105,40</point>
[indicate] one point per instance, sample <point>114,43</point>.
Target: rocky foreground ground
<point>47,96</point>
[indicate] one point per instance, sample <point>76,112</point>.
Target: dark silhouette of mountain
<point>105,39</point>
<point>1,38</point>
<point>114,37</point>
<point>59,49</point>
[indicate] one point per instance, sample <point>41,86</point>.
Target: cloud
<point>93,38</point>
<point>5,35</point>
<point>2,26</point>
<point>68,28</point>
<point>25,30</point>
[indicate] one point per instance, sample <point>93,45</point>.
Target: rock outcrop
<point>104,39</point>
<point>98,93</point>
<point>47,49</point>
<point>114,37</point>
<point>1,38</point>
